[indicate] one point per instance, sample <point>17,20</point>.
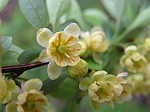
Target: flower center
<point>99,91</point>
<point>62,49</point>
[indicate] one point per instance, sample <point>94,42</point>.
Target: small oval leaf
<point>6,42</point>
<point>93,65</point>
<point>28,55</point>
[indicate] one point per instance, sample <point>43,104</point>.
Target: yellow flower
<point>104,87</point>
<point>30,99</point>
<point>95,40</point>
<point>126,93</point>
<point>62,48</point>
<point>6,89</point>
<point>140,84</point>
<point>133,60</point>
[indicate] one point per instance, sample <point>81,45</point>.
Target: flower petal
<point>84,84</point>
<point>117,89</point>
<point>33,84</point>
<point>43,36</point>
<point>20,108</point>
<point>10,85</point>
<point>73,29</point>
<point>11,107</point>
<point>3,88</point>
<point>22,98</point>
<point>43,57</point>
<point>7,98</point>
<point>54,71</point>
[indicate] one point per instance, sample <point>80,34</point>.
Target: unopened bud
<point>79,70</point>
<point>98,41</point>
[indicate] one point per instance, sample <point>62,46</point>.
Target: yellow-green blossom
<point>30,99</point>
<point>95,40</point>
<point>140,84</point>
<point>133,60</point>
<point>62,48</point>
<point>104,87</point>
<point>6,89</point>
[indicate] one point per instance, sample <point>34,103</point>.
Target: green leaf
<point>6,42</point>
<point>121,5</point>
<point>53,84</point>
<point>110,6</point>
<point>76,14</point>
<point>2,108</point>
<point>67,89</point>
<point>70,106</point>
<point>56,9</point>
<point>142,19</point>
<point>95,16</point>
<point>35,12</point>
<point>93,65</point>
<point>28,55</point>
<point>3,3</point>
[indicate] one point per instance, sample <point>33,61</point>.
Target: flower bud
<point>98,41</point>
<point>79,70</point>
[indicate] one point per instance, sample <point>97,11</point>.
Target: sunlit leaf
<point>3,3</point>
<point>142,19</point>
<point>35,12</point>
<point>6,42</point>
<point>95,16</point>
<point>76,14</point>
<point>28,55</point>
<point>121,5</point>
<point>110,7</point>
<point>55,10</point>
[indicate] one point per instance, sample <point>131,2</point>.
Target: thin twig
<point>19,69</point>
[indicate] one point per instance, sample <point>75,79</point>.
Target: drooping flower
<point>29,99</point>
<point>133,60</point>
<point>6,89</point>
<point>140,84</point>
<point>104,87</point>
<point>62,48</point>
<point>95,40</point>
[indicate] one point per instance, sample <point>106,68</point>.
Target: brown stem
<point>19,69</point>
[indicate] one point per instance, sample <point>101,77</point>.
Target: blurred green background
<point>13,23</point>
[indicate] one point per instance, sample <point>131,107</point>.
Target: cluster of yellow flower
<point>137,61</point>
<point>64,49</point>
<point>26,99</point>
